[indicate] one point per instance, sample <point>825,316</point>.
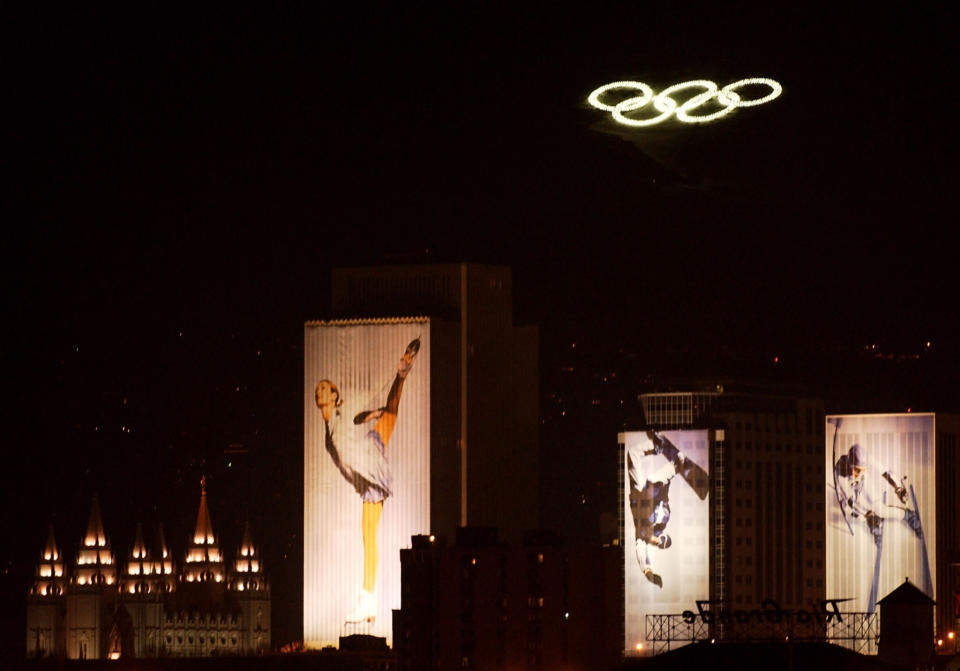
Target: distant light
<point>928,344</point>
<point>432,538</point>
<point>639,647</point>
<point>939,641</point>
<point>950,635</point>
<point>229,464</point>
<point>776,359</point>
<point>566,616</point>
<point>908,409</point>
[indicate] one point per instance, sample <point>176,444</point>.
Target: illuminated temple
<point>102,607</point>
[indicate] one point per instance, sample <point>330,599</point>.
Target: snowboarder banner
<point>666,526</point>
<point>880,506</point>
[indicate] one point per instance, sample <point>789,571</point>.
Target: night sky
<point>179,185</point>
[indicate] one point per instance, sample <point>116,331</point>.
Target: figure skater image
<point>358,448</point>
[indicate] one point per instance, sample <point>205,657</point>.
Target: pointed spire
<point>95,536</point>
<point>246,546</point>
<point>50,551</point>
<point>161,546</point>
<point>204,530</point>
<point>163,564</point>
<point>139,548</point>
<point>50,578</point>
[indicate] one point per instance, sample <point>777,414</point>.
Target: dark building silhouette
<point>483,604</point>
<point>906,627</point>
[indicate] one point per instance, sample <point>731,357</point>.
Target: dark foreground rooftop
<point>317,661</point>
<point>739,656</point>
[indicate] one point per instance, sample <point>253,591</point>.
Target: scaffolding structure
<point>859,632</point>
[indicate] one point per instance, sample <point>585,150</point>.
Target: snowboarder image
<point>857,488</point>
<point>650,501</point>
<point>358,448</point>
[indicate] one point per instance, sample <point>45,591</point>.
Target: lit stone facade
<point>147,607</point>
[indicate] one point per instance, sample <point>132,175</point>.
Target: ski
<point>836,481</point>
<point>878,540</point>
<point>918,529</point>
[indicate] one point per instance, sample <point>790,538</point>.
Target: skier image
<point>867,502</point>
<point>650,501</point>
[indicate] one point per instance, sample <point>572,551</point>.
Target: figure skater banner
<point>666,527</point>
<point>366,432</point>
<point>880,506</point>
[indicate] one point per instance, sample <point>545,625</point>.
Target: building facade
<point>146,606</point>
<point>905,492</point>
<point>460,448</point>
<point>779,493</point>
<point>766,526</point>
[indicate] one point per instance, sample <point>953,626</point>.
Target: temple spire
<point>139,548</point>
<point>161,542</point>
<point>246,546</point>
<point>203,560</point>
<point>50,551</point>
<point>204,530</point>
<point>95,536</point>
<point>50,578</point>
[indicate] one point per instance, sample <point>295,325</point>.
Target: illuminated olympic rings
<point>666,106</point>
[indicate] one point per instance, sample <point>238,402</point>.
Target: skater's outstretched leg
<point>388,416</point>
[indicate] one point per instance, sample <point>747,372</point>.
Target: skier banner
<point>366,406</point>
<point>880,506</point>
<point>666,526</point>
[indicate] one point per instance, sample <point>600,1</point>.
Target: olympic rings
<point>727,98</point>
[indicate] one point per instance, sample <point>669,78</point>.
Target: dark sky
<point>179,185</point>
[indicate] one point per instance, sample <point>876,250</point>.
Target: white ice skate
<point>366,609</point>
<point>406,362</point>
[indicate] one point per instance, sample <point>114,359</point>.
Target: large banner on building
<point>366,432</point>
<point>666,526</point>
<point>880,506</point>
